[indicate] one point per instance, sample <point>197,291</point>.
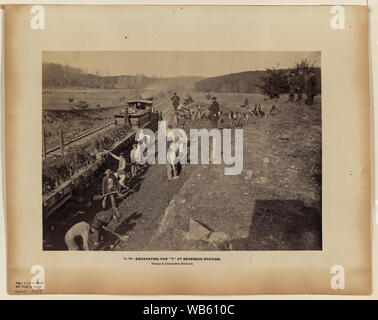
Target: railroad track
<point>163,106</point>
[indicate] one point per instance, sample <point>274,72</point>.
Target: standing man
<point>133,158</point>
<point>171,165</point>
<point>292,86</point>
<point>109,188</point>
<point>80,229</point>
<point>311,88</point>
<point>214,112</point>
<point>175,103</point>
<point>121,173</point>
<point>301,81</point>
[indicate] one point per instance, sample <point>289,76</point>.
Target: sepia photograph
<point>181,150</point>
<point>187,150</point>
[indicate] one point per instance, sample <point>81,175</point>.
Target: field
<point>274,204</point>
<point>61,109</point>
<point>65,99</point>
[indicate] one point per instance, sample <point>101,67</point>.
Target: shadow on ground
<point>282,225</point>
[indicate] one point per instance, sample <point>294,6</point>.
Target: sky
<point>177,63</point>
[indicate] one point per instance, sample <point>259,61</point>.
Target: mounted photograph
<point>181,150</point>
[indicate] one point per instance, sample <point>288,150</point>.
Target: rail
<point>161,106</point>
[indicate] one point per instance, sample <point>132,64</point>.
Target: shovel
<point>100,196</point>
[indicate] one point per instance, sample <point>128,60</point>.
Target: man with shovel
<point>110,186</point>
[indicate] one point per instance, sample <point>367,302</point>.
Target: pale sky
<point>177,63</point>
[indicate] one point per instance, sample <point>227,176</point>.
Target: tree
<point>274,82</point>
<point>304,65</point>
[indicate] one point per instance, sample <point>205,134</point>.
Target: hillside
<point>59,76</point>
<point>243,82</point>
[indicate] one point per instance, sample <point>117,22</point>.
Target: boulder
<point>197,231</point>
<point>218,237</point>
<point>249,174</point>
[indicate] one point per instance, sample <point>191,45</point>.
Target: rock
<point>197,231</point>
<point>266,160</point>
<point>243,234</point>
<point>249,174</point>
<point>263,180</point>
<point>217,237</point>
<point>183,201</point>
<point>186,235</point>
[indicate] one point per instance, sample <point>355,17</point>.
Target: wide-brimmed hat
<point>214,98</point>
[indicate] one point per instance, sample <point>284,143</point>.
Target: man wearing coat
<point>214,112</point>
<point>311,88</point>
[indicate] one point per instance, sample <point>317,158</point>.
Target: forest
<point>59,76</point>
<point>243,82</point>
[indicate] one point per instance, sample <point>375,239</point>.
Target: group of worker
<point>113,184</point>
<point>300,83</point>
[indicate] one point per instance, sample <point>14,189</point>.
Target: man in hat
<point>292,86</point>
<point>121,173</point>
<point>214,112</point>
<point>78,230</point>
<point>175,103</point>
<point>311,88</point>
<point>110,186</point>
<point>301,81</point>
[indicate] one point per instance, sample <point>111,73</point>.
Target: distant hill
<point>244,82</point>
<point>234,82</point>
<point>59,76</point>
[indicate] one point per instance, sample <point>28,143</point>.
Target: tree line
<point>58,76</point>
<point>272,80</point>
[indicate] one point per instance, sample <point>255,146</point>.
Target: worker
<point>110,186</point>
<point>214,111</point>
<point>133,163</point>
<point>80,229</point>
<point>121,173</point>
<point>171,158</point>
<point>99,223</point>
<point>300,84</point>
<point>175,103</point>
<point>292,86</point>
<point>311,88</point>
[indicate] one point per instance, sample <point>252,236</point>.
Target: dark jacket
<point>214,109</point>
<point>175,101</point>
<point>311,86</point>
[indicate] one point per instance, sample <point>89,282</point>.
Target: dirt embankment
<point>275,204</point>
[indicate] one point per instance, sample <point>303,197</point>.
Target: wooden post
<point>43,144</point>
<point>61,141</point>
<point>105,125</point>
